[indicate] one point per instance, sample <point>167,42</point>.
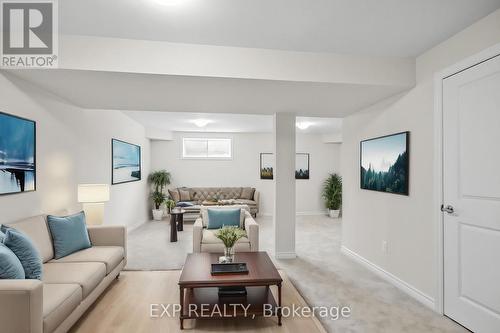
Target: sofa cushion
<point>37,230</point>
<point>25,250</point>
<point>174,195</point>
<point>217,218</point>
<point>247,193</point>
<point>184,194</point>
<point>210,243</point>
<point>230,192</point>
<point>247,202</point>
<point>69,234</point>
<point>111,256</point>
<point>87,274</point>
<point>208,237</point>
<point>204,213</point>
<point>10,266</point>
<point>59,300</point>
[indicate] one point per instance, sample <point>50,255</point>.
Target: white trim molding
<point>483,56</point>
<point>392,279</point>
<point>286,255</point>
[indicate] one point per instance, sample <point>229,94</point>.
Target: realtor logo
<point>29,34</point>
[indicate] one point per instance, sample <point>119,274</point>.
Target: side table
<point>176,223</point>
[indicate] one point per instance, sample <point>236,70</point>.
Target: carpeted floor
<point>321,273</point>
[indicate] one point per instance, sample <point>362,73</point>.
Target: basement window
<point>207,148</point>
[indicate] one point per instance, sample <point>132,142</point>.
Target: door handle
<point>447,209</point>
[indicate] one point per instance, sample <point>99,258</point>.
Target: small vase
<point>229,254</point>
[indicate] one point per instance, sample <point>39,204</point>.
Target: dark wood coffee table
<point>198,286</point>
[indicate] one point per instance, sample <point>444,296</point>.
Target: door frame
<point>465,64</point>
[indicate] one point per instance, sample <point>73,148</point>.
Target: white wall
<point>405,222</point>
<point>243,169</point>
<point>73,146</point>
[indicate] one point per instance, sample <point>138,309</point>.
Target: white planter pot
<point>334,214</point>
<point>157,214</point>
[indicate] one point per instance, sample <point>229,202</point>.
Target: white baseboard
<point>308,213</point>
<point>286,255</point>
<point>394,280</point>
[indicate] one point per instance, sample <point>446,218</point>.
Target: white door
<point>471,161</point>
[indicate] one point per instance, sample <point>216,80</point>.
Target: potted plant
<point>332,193</point>
<point>229,235</point>
<point>159,179</point>
<point>170,204</point>
<point>158,198</point>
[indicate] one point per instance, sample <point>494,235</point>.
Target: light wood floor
<point>125,307</point>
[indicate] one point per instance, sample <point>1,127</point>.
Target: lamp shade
<point>93,192</point>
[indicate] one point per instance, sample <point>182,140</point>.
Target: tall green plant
<point>332,191</point>
<point>159,179</point>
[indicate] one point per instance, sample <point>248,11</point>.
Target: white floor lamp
<point>93,197</point>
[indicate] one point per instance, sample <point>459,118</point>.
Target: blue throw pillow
<point>2,236</point>
<point>10,266</point>
<point>26,252</point>
<point>184,204</point>
<point>69,234</point>
<point>217,218</point>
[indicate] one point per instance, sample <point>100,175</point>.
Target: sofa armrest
<point>252,229</point>
<point>21,306</point>
<point>197,235</point>
<point>108,235</point>
<point>256,198</point>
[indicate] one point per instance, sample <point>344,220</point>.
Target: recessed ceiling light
<point>201,122</point>
<point>303,125</point>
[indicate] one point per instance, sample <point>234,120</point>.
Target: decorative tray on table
<point>232,268</point>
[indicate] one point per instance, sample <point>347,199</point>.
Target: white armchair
<point>204,239</point>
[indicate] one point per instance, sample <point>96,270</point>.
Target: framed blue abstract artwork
<point>17,154</point>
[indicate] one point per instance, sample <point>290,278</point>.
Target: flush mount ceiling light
<point>201,122</point>
<point>303,125</point>
<point>169,2</point>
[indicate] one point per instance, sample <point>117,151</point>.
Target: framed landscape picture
<point>266,165</point>
<point>17,154</point>
<point>126,159</point>
<point>301,166</point>
<point>385,163</point>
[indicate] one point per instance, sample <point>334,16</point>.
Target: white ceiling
<point>170,93</point>
<point>364,27</point>
<point>218,122</point>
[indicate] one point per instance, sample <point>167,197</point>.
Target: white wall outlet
<point>385,247</point>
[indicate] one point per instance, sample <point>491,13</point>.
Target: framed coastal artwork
<point>17,154</point>
<point>385,163</point>
<point>266,165</point>
<point>126,159</point>
<point>301,166</point>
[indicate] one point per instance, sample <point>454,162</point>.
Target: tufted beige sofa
<point>69,285</point>
<point>197,195</point>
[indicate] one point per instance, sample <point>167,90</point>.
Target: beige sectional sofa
<point>197,195</point>
<point>69,285</point>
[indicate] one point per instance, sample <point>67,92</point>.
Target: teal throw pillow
<point>217,218</point>
<point>26,252</point>
<point>69,234</point>
<point>10,266</point>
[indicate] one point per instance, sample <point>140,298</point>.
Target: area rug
<point>126,305</point>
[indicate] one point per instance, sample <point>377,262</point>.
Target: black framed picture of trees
<point>126,159</point>
<point>17,154</point>
<point>385,163</point>
<point>266,165</point>
<point>301,166</point>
